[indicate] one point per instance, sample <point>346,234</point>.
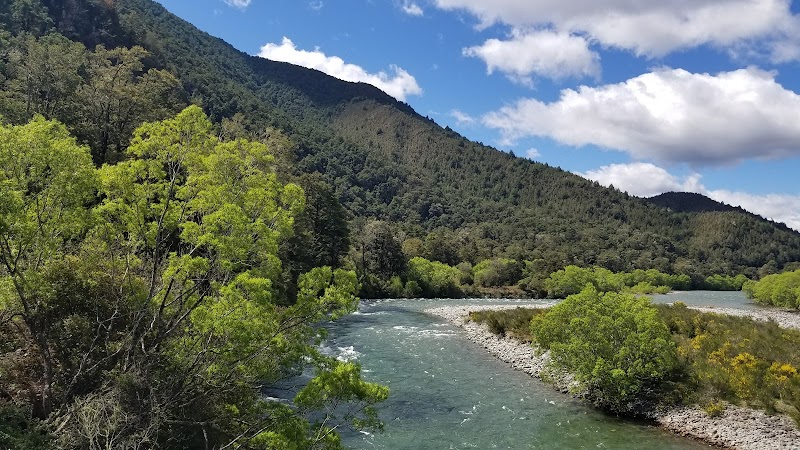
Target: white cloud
<point>316,5</point>
<point>412,9</point>
<point>647,180</point>
<point>400,84</point>
<point>532,153</point>
<point>668,115</point>
<point>645,27</point>
<point>643,179</point>
<point>544,53</point>
<point>462,118</point>
<point>241,4</point>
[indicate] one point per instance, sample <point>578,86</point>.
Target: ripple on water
<point>445,392</point>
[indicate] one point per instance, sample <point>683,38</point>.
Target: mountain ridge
<point>387,162</point>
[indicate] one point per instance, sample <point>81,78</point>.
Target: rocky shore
<point>785,319</point>
<point>736,428</point>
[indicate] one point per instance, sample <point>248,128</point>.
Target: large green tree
<point>151,318</point>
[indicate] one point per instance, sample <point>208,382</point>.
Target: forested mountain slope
<point>693,202</point>
<point>384,161</point>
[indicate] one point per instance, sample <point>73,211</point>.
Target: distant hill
<point>385,161</point>
<point>690,202</point>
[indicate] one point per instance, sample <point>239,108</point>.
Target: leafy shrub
<point>615,344</point>
<point>572,279</point>
<point>508,322</point>
<point>715,409</point>
<point>434,278</point>
<point>725,282</point>
<point>497,272</point>
<point>646,288</point>
<point>779,289</point>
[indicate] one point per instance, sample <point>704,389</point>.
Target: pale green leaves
<point>46,181</point>
<point>615,344</point>
<point>162,267</point>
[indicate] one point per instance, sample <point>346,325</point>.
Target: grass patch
<point>736,359</point>
<point>514,323</point>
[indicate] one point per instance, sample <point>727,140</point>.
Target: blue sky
<point>693,95</point>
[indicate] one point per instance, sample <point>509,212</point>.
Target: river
<point>447,393</point>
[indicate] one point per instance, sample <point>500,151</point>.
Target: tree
<point>28,16</point>
<point>321,233</point>
<point>435,278</point>
<point>497,272</point>
<point>45,75</point>
<point>615,344</point>
<point>381,252</point>
<point>119,96</point>
<point>46,181</point>
<point>151,316</point>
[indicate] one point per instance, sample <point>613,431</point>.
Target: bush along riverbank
<point>730,381</point>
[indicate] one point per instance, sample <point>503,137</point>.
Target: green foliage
<point>337,382</point>
<point>736,359</point>
<point>509,322</point>
<point>321,234</point>
<point>615,344</point>
<point>573,279</point>
<point>147,314</point>
<point>379,250</point>
<point>725,282</point>
<point>19,431</point>
<point>497,272</point>
<point>25,16</point>
<point>102,95</point>
<point>776,289</point>
<point>645,287</point>
<point>434,278</point>
<point>119,95</point>
<point>46,180</point>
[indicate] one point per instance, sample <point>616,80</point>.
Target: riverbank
<point>784,319</point>
<point>736,428</point>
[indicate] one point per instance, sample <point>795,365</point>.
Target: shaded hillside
<point>384,161</point>
<point>690,202</point>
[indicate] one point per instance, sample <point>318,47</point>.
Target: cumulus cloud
<point>532,153</point>
<point>647,180</point>
<point>462,118</point>
<point>400,84</point>
<point>544,53</point>
<point>668,115</point>
<point>643,179</point>
<point>412,9</point>
<point>241,4</point>
<point>644,27</point>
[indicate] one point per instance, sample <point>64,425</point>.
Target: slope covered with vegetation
<point>384,161</point>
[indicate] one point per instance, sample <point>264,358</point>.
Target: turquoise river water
<point>447,393</point>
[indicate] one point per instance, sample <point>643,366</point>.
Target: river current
<point>447,393</point>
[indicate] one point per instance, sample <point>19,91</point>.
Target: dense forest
<point>465,201</point>
<point>177,216</point>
